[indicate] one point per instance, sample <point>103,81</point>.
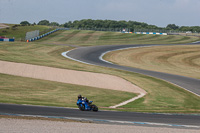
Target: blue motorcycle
<point>85,105</point>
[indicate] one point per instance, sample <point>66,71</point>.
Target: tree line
<point>113,24</point>
<point>42,22</point>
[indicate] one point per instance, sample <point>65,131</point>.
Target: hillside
<point>19,32</point>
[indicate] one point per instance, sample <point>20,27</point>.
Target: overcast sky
<point>156,12</point>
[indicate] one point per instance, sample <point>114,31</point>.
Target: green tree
<point>69,24</point>
<point>25,23</point>
<point>172,27</point>
<point>44,22</point>
<point>54,24</point>
<point>185,28</point>
<point>109,24</point>
<point>66,25</point>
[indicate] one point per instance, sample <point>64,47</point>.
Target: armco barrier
<point>152,33</point>
<point>46,34</point>
<point>7,40</point>
<point>126,32</point>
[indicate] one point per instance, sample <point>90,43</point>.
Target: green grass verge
<point>180,60</point>
<point>20,90</point>
<point>164,97</point>
<point>161,97</point>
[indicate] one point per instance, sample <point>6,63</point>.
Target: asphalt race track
<point>91,55</point>
<point>185,121</point>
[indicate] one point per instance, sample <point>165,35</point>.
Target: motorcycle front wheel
<point>81,107</point>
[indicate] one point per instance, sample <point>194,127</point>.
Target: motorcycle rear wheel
<point>94,108</point>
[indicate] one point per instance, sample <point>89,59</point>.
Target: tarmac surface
<point>93,55</point>
<point>148,119</point>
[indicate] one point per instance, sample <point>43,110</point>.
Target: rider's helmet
<point>79,96</point>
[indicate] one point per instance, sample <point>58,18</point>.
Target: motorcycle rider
<point>79,100</point>
<point>84,104</point>
<point>80,97</point>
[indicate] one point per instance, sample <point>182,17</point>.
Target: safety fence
<point>45,34</point>
<point>32,34</point>
<point>6,39</point>
<point>152,33</point>
<point>165,32</point>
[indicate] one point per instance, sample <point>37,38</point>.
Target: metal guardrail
<point>7,40</point>
<point>169,32</point>
<point>45,34</point>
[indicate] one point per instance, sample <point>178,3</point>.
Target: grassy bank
<point>19,32</point>
<point>88,38</point>
<point>179,60</point>
<point>19,90</point>
<point>161,97</point>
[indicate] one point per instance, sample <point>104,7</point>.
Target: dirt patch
<point>3,26</point>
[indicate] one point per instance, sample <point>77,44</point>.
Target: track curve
<point>92,55</point>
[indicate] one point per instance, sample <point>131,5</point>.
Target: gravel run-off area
<point>71,76</point>
<point>8,125</point>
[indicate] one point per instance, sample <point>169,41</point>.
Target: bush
<point>25,23</point>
